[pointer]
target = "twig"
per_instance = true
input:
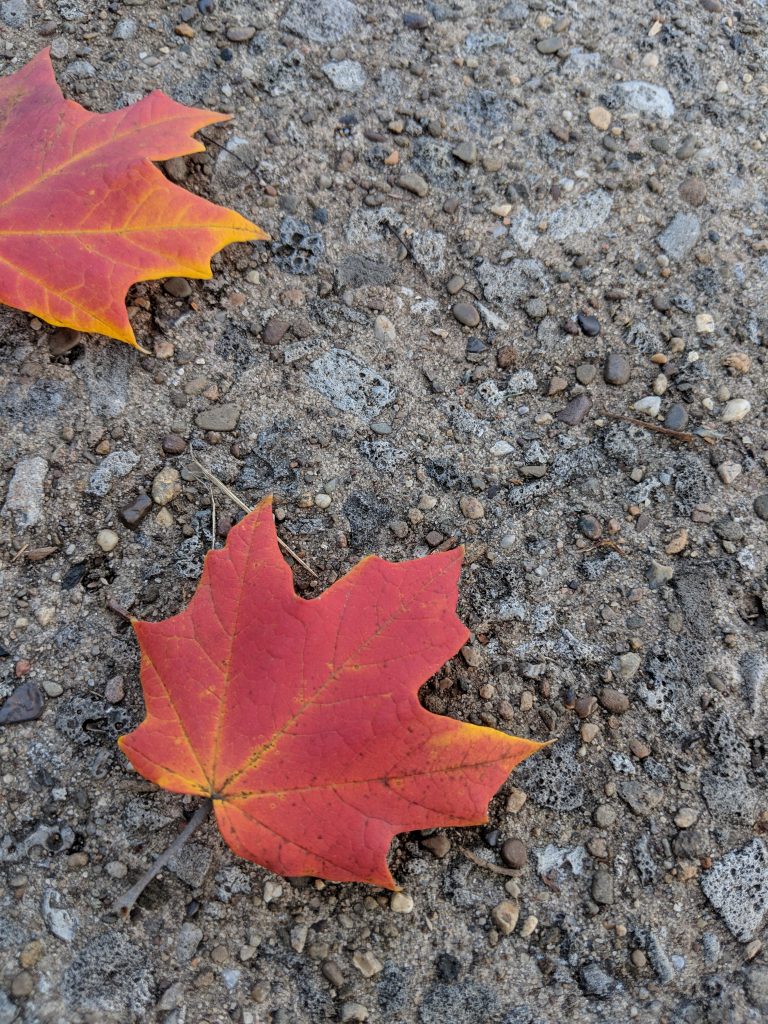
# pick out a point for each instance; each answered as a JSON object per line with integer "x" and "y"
{"x": 213, "y": 518}
{"x": 241, "y": 504}
{"x": 487, "y": 865}
{"x": 19, "y": 553}
{"x": 678, "y": 435}
{"x": 125, "y": 904}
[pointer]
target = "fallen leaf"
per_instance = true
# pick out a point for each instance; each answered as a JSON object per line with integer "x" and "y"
{"x": 301, "y": 719}
{"x": 84, "y": 214}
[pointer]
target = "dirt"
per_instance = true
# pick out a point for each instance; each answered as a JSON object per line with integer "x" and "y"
{"x": 473, "y": 205}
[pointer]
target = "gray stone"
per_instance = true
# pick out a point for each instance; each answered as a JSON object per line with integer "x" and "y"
{"x": 345, "y": 75}
{"x": 14, "y": 13}
{"x": 466, "y": 152}
{"x": 413, "y": 183}
{"x": 322, "y": 21}
{"x": 221, "y": 418}
{"x": 24, "y": 500}
{"x": 680, "y": 235}
{"x": 677, "y": 417}
{"x": 617, "y": 369}
{"x": 125, "y": 29}
{"x": 737, "y": 887}
{"x": 349, "y": 384}
{"x": 581, "y": 216}
{"x": 115, "y": 466}
{"x": 60, "y": 921}
{"x": 646, "y": 98}
{"x": 514, "y": 13}
{"x": 466, "y": 314}
{"x": 187, "y": 941}
{"x": 760, "y": 506}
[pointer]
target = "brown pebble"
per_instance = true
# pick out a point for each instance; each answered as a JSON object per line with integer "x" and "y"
{"x": 575, "y": 411}
{"x": 584, "y": 706}
{"x": 133, "y": 514}
{"x": 514, "y": 853}
{"x": 455, "y": 284}
{"x": 614, "y": 700}
{"x": 438, "y": 845}
{"x": 174, "y": 444}
{"x": 274, "y": 331}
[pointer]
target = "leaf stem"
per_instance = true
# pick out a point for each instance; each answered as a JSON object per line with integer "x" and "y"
{"x": 125, "y": 903}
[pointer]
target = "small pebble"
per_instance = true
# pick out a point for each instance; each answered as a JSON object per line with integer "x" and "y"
{"x": 413, "y": 183}
{"x": 107, "y": 540}
{"x": 676, "y": 418}
{"x": 589, "y": 324}
{"x": 401, "y": 903}
{"x": 133, "y": 514}
{"x": 760, "y": 506}
{"x": 600, "y": 118}
{"x": 735, "y": 410}
{"x": 516, "y": 800}
{"x": 686, "y": 816}
{"x": 617, "y": 369}
{"x": 274, "y": 331}
{"x": 466, "y": 314}
{"x": 650, "y": 405}
{"x": 174, "y": 444}
{"x": 514, "y": 853}
{"x": 505, "y": 915}
{"x": 575, "y": 411}
{"x": 613, "y": 700}
{"x": 166, "y": 486}
{"x": 471, "y": 507}
{"x": 466, "y": 152}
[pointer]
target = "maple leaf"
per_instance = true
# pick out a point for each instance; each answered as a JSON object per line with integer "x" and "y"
{"x": 84, "y": 214}
{"x": 301, "y": 719}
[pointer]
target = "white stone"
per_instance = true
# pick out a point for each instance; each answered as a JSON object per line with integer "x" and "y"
{"x": 107, "y": 540}
{"x": 650, "y": 405}
{"x": 345, "y": 75}
{"x": 384, "y": 329}
{"x": 401, "y": 903}
{"x": 736, "y": 410}
{"x": 646, "y": 98}
{"x": 705, "y": 324}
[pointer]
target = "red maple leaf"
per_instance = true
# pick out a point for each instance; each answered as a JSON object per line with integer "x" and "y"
{"x": 84, "y": 214}
{"x": 301, "y": 718}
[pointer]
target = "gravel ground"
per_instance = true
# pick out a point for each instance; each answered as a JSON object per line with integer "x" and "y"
{"x": 512, "y": 247}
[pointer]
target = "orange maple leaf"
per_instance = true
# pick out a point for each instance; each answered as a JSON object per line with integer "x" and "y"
{"x": 84, "y": 214}
{"x": 301, "y": 719}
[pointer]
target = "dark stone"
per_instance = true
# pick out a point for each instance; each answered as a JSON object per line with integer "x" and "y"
{"x": 575, "y": 411}
{"x": 74, "y": 575}
{"x": 589, "y": 325}
{"x": 25, "y": 704}
{"x": 133, "y": 514}
{"x": 760, "y": 505}
{"x": 676, "y": 418}
{"x": 514, "y": 854}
